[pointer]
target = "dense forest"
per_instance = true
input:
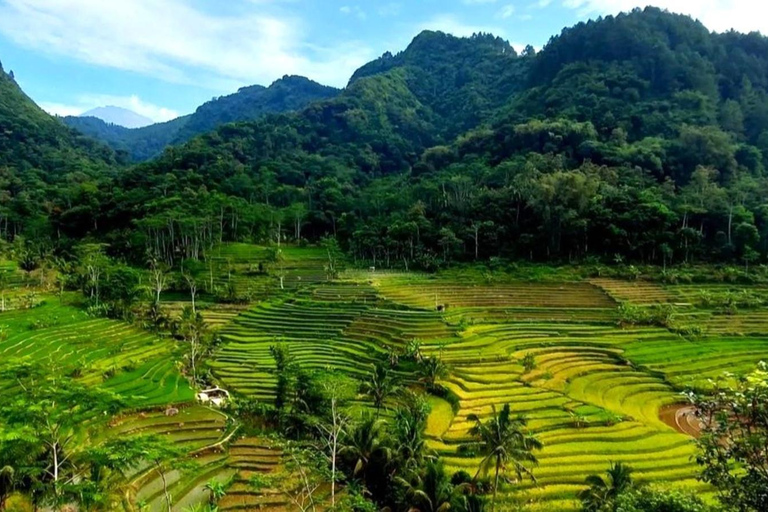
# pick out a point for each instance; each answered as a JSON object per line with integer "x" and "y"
{"x": 641, "y": 138}
{"x": 249, "y": 103}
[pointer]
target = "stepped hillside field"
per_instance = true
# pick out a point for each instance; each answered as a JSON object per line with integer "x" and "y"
{"x": 594, "y": 387}
{"x": 600, "y": 391}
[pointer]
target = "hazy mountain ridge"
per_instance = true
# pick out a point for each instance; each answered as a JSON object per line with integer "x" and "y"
{"x": 119, "y": 116}
{"x": 248, "y": 104}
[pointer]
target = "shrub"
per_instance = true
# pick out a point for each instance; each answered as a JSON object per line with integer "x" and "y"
{"x": 650, "y": 499}
{"x": 529, "y": 362}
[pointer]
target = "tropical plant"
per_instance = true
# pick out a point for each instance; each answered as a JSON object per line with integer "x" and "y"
{"x": 504, "y": 442}
{"x": 602, "y": 493}
{"x": 379, "y": 386}
{"x": 429, "y": 490}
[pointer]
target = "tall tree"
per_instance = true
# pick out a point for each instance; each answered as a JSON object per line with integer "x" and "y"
{"x": 504, "y": 441}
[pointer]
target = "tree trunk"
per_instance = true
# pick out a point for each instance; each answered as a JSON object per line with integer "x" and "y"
{"x": 168, "y": 501}
{"x": 495, "y": 489}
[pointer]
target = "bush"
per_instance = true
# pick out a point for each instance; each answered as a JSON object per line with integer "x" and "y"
{"x": 650, "y": 499}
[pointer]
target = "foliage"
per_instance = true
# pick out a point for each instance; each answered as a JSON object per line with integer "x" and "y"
{"x": 504, "y": 443}
{"x": 603, "y": 492}
{"x": 647, "y": 499}
{"x": 733, "y": 440}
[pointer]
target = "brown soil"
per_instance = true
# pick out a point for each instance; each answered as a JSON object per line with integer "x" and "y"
{"x": 681, "y": 417}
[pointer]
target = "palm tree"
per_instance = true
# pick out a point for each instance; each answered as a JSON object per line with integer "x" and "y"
{"x": 364, "y": 442}
{"x": 504, "y": 441}
{"x": 430, "y": 491}
{"x": 380, "y": 386}
{"x": 408, "y": 435}
{"x": 431, "y": 369}
{"x": 602, "y": 492}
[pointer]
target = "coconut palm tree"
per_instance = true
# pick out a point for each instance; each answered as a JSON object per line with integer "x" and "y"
{"x": 602, "y": 492}
{"x": 379, "y": 386}
{"x": 430, "y": 491}
{"x": 431, "y": 369}
{"x": 363, "y": 442}
{"x": 504, "y": 443}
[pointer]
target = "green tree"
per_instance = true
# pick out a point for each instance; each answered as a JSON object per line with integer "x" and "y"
{"x": 51, "y": 415}
{"x": 647, "y": 499}
{"x": 365, "y": 441}
{"x": 379, "y": 386}
{"x": 503, "y": 442}
{"x": 602, "y": 493}
{"x": 731, "y": 448}
{"x": 431, "y": 369}
{"x": 431, "y": 490}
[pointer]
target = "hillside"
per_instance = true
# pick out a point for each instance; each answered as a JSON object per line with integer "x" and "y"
{"x": 568, "y": 154}
{"x": 42, "y": 162}
{"x": 248, "y": 104}
{"x": 642, "y": 137}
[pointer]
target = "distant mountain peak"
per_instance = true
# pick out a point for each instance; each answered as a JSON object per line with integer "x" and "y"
{"x": 119, "y": 116}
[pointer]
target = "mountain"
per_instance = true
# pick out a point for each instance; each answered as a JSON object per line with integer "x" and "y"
{"x": 137, "y": 144}
{"x": 643, "y": 135}
{"x": 640, "y": 137}
{"x": 44, "y": 164}
{"x": 119, "y": 116}
{"x": 249, "y": 103}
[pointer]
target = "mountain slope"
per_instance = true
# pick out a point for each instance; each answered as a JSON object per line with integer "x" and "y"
{"x": 248, "y": 104}
{"x": 31, "y": 141}
{"x": 604, "y": 143}
{"x": 462, "y": 80}
{"x": 119, "y": 116}
{"x": 46, "y": 169}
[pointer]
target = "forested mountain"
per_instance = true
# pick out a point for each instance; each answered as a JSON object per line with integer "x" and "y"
{"x": 640, "y": 137}
{"x": 248, "y": 104}
{"x": 43, "y": 165}
{"x": 136, "y": 144}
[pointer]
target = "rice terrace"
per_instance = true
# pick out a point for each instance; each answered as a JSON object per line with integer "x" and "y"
{"x": 596, "y": 366}
{"x": 459, "y": 275}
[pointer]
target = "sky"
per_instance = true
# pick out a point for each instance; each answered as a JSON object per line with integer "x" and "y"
{"x": 164, "y": 58}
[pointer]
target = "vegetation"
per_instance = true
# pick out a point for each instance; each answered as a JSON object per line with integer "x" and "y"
{"x": 468, "y": 281}
{"x": 734, "y": 434}
{"x": 248, "y": 104}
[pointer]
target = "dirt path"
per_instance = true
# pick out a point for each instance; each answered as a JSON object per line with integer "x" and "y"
{"x": 681, "y": 417}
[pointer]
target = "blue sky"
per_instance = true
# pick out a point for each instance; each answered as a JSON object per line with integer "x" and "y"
{"x": 163, "y": 58}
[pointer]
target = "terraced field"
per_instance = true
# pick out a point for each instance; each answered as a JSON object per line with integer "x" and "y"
{"x": 582, "y": 400}
{"x": 637, "y": 292}
{"x": 595, "y": 396}
{"x": 340, "y": 328}
{"x": 247, "y": 268}
{"x": 597, "y": 393}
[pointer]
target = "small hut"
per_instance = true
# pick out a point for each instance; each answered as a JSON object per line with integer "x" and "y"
{"x": 215, "y": 396}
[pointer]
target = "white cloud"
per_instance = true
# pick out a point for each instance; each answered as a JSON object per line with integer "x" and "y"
{"x": 478, "y": 2}
{"x": 356, "y": 10}
{"x": 90, "y": 101}
{"x": 177, "y": 42}
{"x": 717, "y": 15}
{"x": 452, "y": 25}
{"x": 59, "y": 109}
{"x": 507, "y": 12}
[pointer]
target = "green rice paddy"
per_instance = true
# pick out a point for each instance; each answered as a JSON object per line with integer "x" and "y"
{"x": 594, "y": 396}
